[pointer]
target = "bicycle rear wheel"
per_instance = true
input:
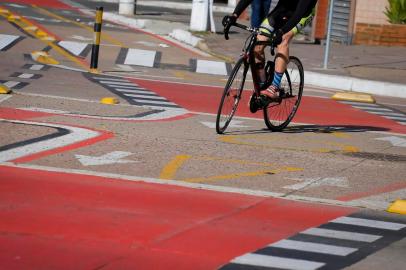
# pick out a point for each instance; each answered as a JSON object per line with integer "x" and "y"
{"x": 278, "y": 115}
{"x": 231, "y": 95}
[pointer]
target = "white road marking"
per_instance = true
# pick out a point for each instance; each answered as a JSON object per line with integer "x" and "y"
{"x": 35, "y": 109}
{"x": 117, "y": 83}
{"x": 26, "y": 76}
{"x": 158, "y": 102}
{"x": 314, "y": 247}
{"x": 211, "y": 67}
{"x": 233, "y": 124}
{"x": 76, "y": 135}
{"x": 107, "y": 159}
{"x": 369, "y": 223}
{"x": 74, "y": 47}
{"x": 134, "y": 90}
{"x": 276, "y": 262}
{"x": 4, "y": 97}
{"x": 107, "y": 80}
{"x": 81, "y": 38}
{"x": 389, "y": 113}
{"x": 372, "y": 109}
{"x": 145, "y": 96}
{"x": 318, "y": 181}
{"x": 359, "y": 104}
{"x": 395, "y": 141}
{"x": 360, "y": 237}
{"x": 37, "y": 67}
{"x": 395, "y": 117}
{"x": 140, "y": 57}
{"x": 6, "y": 40}
{"x": 165, "y": 114}
{"x": 11, "y": 84}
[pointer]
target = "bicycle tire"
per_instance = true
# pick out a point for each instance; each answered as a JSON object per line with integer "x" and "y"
{"x": 228, "y": 104}
{"x": 278, "y": 115}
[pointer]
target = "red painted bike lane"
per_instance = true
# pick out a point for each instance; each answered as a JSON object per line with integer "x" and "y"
{"x": 57, "y": 220}
{"x": 312, "y": 110}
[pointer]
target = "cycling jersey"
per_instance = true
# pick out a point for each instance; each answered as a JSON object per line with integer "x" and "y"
{"x": 297, "y": 12}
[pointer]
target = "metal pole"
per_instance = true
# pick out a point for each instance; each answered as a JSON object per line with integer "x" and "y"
{"x": 96, "y": 43}
{"x": 330, "y": 20}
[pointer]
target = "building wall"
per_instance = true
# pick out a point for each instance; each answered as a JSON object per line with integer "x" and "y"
{"x": 371, "y": 11}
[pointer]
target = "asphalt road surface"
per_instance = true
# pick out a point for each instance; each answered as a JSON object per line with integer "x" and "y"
{"x": 148, "y": 184}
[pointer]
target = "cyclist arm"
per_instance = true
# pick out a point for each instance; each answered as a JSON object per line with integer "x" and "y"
{"x": 241, "y": 6}
{"x": 301, "y": 11}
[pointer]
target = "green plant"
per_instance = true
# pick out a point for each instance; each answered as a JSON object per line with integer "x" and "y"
{"x": 396, "y": 12}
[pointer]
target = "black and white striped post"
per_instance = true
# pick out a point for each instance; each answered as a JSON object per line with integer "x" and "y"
{"x": 96, "y": 43}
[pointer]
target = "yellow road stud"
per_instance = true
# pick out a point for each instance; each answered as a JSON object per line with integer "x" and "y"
{"x": 4, "y": 89}
{"x": 398, "y": 207}
{"x": 351, "y": 96}
{"x": 109, "y": 100}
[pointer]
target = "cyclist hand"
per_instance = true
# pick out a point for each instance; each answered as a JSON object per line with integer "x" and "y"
{"x": 277, "y": 37}
{"x": 228, "y": 20}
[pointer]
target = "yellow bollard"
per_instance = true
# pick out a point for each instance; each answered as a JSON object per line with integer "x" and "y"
{"x": 96, "y": 44}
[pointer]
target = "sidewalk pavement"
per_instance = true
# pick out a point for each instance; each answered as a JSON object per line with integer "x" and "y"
{"x": 376, "y": 70}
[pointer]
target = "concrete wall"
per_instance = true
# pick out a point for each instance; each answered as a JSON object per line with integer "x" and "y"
{"x": 371, "y": 11}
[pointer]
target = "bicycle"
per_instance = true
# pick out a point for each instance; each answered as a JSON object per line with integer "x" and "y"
{"x": 277, "y": 112}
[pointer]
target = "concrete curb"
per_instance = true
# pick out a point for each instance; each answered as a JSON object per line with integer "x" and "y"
{"x": 355, "y": 85}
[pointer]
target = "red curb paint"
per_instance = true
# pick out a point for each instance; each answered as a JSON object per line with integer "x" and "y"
{"x": 373, "y": 191}
{"x": 54, "y": 220}
{"x": 312, "y": 110}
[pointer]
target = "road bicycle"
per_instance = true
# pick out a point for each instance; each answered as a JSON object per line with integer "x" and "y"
{"x": 277, "y": 112}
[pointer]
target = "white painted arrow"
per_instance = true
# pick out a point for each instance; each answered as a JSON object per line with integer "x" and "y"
{"x": 110, "y": 158}
{"x": 318, "y": 181}
{"x": 395, "y": 141}
{"x": 233, "y": 124}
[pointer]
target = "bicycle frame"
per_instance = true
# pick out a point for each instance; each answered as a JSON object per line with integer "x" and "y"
{"x": 249, "y": 53}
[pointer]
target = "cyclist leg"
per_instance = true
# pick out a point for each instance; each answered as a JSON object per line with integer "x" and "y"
{"x": 275, "y": 20}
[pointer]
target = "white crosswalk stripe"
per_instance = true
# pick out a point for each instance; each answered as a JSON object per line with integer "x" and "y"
{"x": 361, "y": 237}
{"x": 369, "y": 223}
{"x": 276, "y": 262}
{"x": 314, "y": 247}
{"x": 75, "y": 48}
{"x": 379, "y": 110}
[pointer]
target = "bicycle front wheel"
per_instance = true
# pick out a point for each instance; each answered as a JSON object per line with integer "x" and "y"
{"x": 231, "y": 95}
{"x": 278, "y": 115}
